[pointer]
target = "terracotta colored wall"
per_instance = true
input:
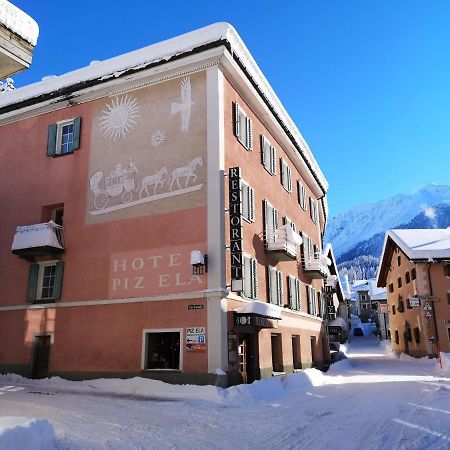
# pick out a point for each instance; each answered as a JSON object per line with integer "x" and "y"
{"x": 266, "y": 187}
{"x": 99, "y": 338}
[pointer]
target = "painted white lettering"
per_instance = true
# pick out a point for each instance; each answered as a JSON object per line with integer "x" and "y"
{"x": 235, "y": 221}
{"x": 164, "y": 280}
{"x": 174, "y": 259}
{"x": 115, "y": 284}
{"x": 178, "y": 281}
{"x": 137, "y": 263}
{"x": 154, "y": 260}
{"x": 138, "y": 283}
{"x": 195, "y": 278}
{"x": 125, "y": 284}
{"x": 122, "y": 266}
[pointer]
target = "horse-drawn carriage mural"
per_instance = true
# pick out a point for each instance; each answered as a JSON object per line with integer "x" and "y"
{"x": 121, "y": 183}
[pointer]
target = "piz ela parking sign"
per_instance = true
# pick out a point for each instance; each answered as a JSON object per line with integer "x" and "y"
{"x": 196, "y": 339}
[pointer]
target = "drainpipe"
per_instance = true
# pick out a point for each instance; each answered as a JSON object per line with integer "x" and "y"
{"x": 432, "y": 306}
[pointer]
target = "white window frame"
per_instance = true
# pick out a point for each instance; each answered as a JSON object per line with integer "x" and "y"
{"x": 312, "y": 301}
{"x": 275, "y": 286}
{"x": 144, "y": 353}
{"x": 268, "y": 156}
{"x": 250, "y": 275}
{"x": 294, "y": 287}
{"x": 286, "y": 176}
{"x": 244, "y": 136}
{"x": 59, "y": 128}
{"x": 271, "y": 219}
{"x": 40, "y": 280}
{"x": 248, "y": 202}
{"x": 313, "y": 210}
{"x": 290, "y": 223}
{"x": 301, "y": 194}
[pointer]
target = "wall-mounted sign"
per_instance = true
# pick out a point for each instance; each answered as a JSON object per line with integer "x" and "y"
{"x": 384, "y": 309}
{"x": 427, "y": 306}
{"x": 196, "y": 339}
{"x": 195, "y": 306}
{"x": 255, "y": 321}
{"x": 413, "y": 302}
{"x": 235, "y": 210}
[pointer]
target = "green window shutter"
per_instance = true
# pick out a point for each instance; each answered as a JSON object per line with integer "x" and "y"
{"x": 51, "y": 142}
{"x": 251, "y": 192}
{"x": 76, "y": 133}
{"x": 249, "y": 134}
{"x": 291, "y": 292}
{"x": 254, "y": 270}
{"x": 32, "y": 282}
{"x": 280, "y": 288}
{"x": 59, "y": 273}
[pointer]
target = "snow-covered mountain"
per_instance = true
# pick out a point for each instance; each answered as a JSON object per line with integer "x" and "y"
{"x": 360, "y": 223}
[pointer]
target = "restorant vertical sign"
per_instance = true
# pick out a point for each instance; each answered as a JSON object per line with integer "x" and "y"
{"x": 235, "y": 210}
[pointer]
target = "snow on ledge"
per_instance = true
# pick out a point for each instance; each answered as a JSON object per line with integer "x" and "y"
{"x": 263, "y": 309}
{"x": 18, "y": 22}
{"x": 19, "y": 433}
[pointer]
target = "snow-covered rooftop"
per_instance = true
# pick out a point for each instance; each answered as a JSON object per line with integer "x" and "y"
{"x": 260, "y": 308}
{"x": 423, "y": 244}
{"x": 159, "y": 53}
{"x": 375, "y": 292}
{"x": 18, "y": 22}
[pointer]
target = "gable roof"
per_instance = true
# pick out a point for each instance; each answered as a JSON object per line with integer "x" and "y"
{"x": 418, "y": 245}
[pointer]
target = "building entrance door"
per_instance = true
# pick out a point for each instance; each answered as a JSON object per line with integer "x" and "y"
{"x": 41, "y": 356}
{"x": 247, "y": 357}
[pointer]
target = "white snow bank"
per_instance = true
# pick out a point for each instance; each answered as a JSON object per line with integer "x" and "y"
{"x": 18, "y": 22}
{"x": 445, "y": 360}
{"x": 20, "y": 433}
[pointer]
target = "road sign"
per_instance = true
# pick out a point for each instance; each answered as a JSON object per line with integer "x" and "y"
{"x": 427, "y": 306}
{"x": 196, "y": 339}
{"x": 428, "y": 315}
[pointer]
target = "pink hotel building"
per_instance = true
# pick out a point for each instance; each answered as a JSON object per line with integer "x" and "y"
{"x": 162, "y": 216}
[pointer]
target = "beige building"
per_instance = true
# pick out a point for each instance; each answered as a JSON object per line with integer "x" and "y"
{"x": 415, "y": 269}
{"x": 18, "y": 37}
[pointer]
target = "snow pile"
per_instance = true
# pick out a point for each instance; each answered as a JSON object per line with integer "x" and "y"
{"x": 445, "y": 360}
{"x": 18, "y": 22}
{"x": 263, "y": 309}
{"x": 19, "y": 433}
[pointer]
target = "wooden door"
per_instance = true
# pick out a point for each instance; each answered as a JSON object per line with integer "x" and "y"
{"x": 41, "y": 356}
{"x": 242, "y": 354}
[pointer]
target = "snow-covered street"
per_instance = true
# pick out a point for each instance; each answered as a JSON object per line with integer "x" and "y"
{"x": 372, "y": 400}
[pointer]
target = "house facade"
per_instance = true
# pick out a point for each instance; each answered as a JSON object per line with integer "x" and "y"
{"x": 165, "y": 221}
{"x": 415, "y": 269}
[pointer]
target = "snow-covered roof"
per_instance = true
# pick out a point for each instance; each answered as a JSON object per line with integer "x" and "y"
{"x": 345, "y": 285}
{"x": 18, "y": 22}
{"x": 339, "y": 322}
{"x": 260, "y": 308}
{"x": 417, "y": 244}
{"x": 369, "y": 286}
{"x": 159, "y": 53}
{"x": 328, "y": 253}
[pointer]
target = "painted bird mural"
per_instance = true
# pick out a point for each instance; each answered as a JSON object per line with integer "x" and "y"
{"x": 185, "y": 106}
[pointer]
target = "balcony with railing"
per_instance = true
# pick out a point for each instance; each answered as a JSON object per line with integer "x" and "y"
{"x": 283, "y": 243}
{"x": 42, "y": 239}
{"x": 315, "y": 266}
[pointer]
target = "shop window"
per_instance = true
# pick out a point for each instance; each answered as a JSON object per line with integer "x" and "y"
{"x": 268, "y": 156}
{"x": 243, "y": 127}
{"x": 277, "y": 353}
{"x": 296, "y": 352}
{"x": 64, "y": 137}
{"x": 162, "y": 350}
{"x": 45, "y": 281}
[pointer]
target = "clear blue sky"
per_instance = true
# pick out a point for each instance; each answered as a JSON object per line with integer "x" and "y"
{"x": 368, "y": 83}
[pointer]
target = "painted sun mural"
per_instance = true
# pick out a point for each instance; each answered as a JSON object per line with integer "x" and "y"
{"x": 119, "y": 117}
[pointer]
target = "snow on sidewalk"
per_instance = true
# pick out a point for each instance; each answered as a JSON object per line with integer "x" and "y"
{"x": 20, "y": 433}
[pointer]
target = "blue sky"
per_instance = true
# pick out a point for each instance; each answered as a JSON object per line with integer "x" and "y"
{"x": 368, "y": 83}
